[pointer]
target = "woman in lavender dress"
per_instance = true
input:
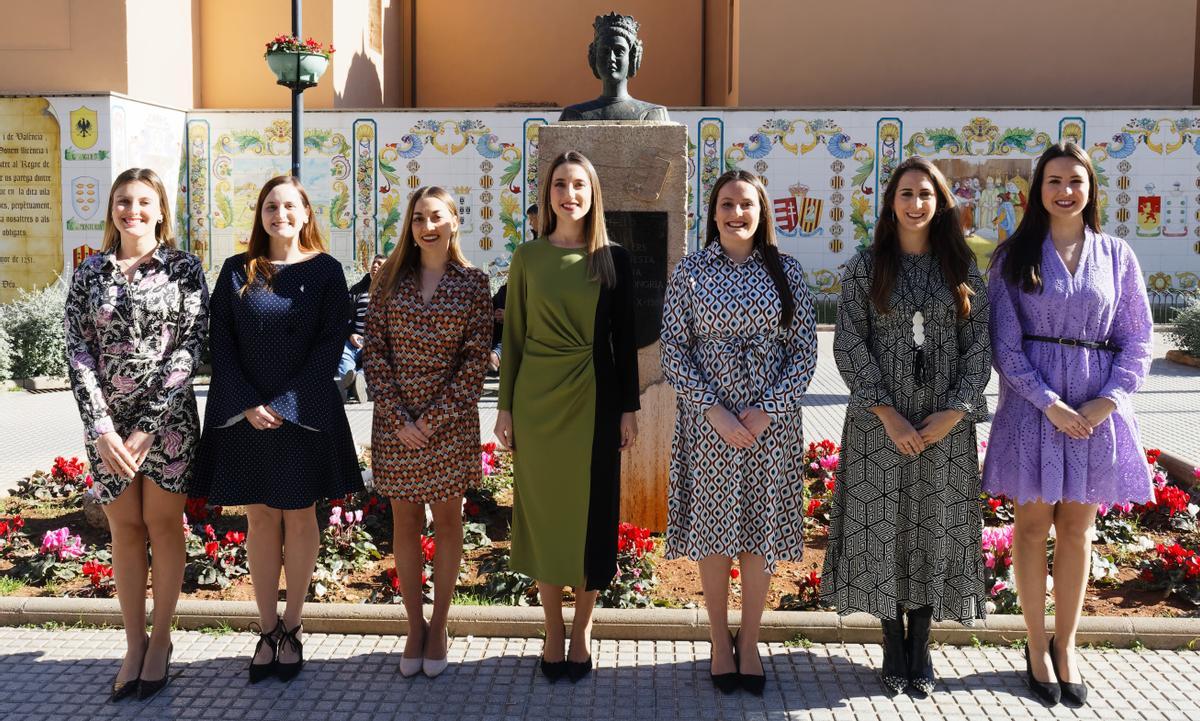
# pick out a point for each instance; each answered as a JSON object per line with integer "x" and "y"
{"x": 136, "y": 319}
{"x": 1071, "y": 338}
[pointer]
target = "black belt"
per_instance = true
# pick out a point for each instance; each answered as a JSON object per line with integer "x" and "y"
{"x": 1094, "y": 345}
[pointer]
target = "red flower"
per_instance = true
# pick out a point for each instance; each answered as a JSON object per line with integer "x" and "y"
{"x": 995, "y": 503}
{"x": 3, "y": 528}
{"x": 428, "y": 548}
{"x": 734, "y": 573}
{"x": 66, "y": 470}
{"x": 209, "y": 532}
{"x": 18, "y": 522}
{"x": 814, "y": 505}
{"x": 1152, "y": 455}
{"x": 830, "y": 483}
{"x": 336, "y": 502}
{"x": 97, "y": 572}
{"x": 196, "y": 508}
{"x": 211, "y": 549}
{"x": 811, "y": 581}
{"x": 489, "y": 447}
{"x": 233, "y": 538}
{"x": 393, "y": 580}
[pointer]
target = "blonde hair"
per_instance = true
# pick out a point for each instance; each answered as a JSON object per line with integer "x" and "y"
{"x": 405, "y": 259}
{"x": 162, "y": 230}
{"x": 595, "y": 232}
{"x": 258, "y": 248}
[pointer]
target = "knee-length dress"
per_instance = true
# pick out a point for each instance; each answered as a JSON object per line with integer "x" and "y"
{"x": 722, "y": 344}
{"x": 907, "y": 530}
{"x": 1028, "y": 459}
{"x": 568, "y": 372}
{"x": 132, "y": 349}
{"x": 427, "y": 360}
{"x": 277, "y": 346}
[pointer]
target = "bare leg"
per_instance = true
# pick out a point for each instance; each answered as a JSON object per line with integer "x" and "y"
{"x": 301, "y": 544}
{"x": 161, "y": 511}
{"x": 129, "y": 572}
{"x": 1030, "y": 531}
{"x": 264, "y": 553}
{"x": 1072, "y": 561}
{"x": 408, "y": 520}
{"x": 756, "y": 583}
{"x": 581, "y": 626}
{"x": 714, "y": 582}
{"x": 556, "y": 636}
{"x": 447, "y": 562}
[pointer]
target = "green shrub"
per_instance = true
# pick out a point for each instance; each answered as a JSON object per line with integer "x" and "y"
{"x": 36, "y": 337}
{"x": 1186, "y": 331}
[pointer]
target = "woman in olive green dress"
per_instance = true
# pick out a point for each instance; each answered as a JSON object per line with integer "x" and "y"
{"x": 568, "y": 393}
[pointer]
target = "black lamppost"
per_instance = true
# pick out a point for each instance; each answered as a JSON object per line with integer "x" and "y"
{"x": 298, "y": 65}
{"x": 298, "y": 89}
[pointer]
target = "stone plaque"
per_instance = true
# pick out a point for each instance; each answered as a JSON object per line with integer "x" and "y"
{"x": 644, "y": 235}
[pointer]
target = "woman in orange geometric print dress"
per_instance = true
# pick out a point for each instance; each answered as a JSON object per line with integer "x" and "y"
{"x": 429, "y": 330}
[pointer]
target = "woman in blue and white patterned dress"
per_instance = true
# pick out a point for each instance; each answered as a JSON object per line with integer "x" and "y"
{"x": 739, "y": 346}
{"x": 136, "y": 321}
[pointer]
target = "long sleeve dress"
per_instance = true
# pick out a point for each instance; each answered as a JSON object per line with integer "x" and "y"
{"x": 132, "y": 349}
{"x": 1028, "y": 459}
{"x": 907, "y": 530}
{"x": 427, "y": 360}
{"x": 277, "y": 346}
{"x": 568, "y": 372}
{"x": 722, "y": 343}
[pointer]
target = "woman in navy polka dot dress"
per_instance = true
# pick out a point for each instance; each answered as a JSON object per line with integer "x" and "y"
{"x": 276, "y": 438}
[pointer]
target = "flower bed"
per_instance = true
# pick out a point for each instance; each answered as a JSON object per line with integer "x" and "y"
{"x": 1146, "y": 559}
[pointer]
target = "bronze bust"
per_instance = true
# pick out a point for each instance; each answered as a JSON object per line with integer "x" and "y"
{"x": 615, "y": 55}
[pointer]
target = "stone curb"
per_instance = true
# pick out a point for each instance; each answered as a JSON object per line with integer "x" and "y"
{"x": 633, "y": 624}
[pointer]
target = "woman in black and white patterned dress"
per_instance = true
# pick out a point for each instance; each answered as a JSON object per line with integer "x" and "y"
{"x": 912, "y": 345}
{"x": 739, "y": 346}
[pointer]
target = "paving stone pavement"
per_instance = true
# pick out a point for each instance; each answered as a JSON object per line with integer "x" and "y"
{"x": 36, "y": 427}
{"x": 63, "y": 674}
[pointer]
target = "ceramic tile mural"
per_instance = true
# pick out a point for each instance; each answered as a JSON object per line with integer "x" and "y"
{"x": 823, "y": 169}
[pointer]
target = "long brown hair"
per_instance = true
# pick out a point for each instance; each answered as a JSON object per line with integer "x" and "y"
{"x": 946, "y": 240}
{"x": 764, "y": 238}
{"x": 162, "y": 231}
{"x": 405, "y": 259}
{"x": 595, "y": 232}
{"x": 1021, "y": 253}
{"x": 258, "y": 250}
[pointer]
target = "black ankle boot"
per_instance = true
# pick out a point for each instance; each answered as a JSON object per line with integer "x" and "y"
{"x": 920, "y": 661}
{"x": 894, "y": 673}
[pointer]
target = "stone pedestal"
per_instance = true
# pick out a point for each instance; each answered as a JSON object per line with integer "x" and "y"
{"x": 643, "y": 177}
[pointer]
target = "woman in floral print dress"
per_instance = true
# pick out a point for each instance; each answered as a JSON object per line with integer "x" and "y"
{"x": 428, "y": 333}
{"x": 136, "y": 320}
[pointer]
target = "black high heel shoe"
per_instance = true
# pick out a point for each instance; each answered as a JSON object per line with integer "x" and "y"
{"x": 146, "y": 689}
{"x": 260, "y": 671}
{"x": 553, "y": 670}
{"x": 1047, "y": 692}
{"x": 727, "y": 683}
{"x": 894, "y": 672}
{"x": 752, "y": 683}
{"x": 289, "y": 671}
{"x": 1073, "y": 695}
{"x": 125, "y": 689}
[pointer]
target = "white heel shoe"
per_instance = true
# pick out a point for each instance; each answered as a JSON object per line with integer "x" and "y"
{"x": 410, "y": 667}
{"x": 434, "y": 666}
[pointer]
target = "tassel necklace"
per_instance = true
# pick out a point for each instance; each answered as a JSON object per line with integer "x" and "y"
{"x": 920, "y": 371}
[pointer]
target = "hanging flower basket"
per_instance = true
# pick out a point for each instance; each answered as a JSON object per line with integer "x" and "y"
{"x": 296, "y": 64}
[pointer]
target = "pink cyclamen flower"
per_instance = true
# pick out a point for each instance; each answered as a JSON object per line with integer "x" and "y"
{"x": 1000, "y": 586}
{"x": 829, "y": 463}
